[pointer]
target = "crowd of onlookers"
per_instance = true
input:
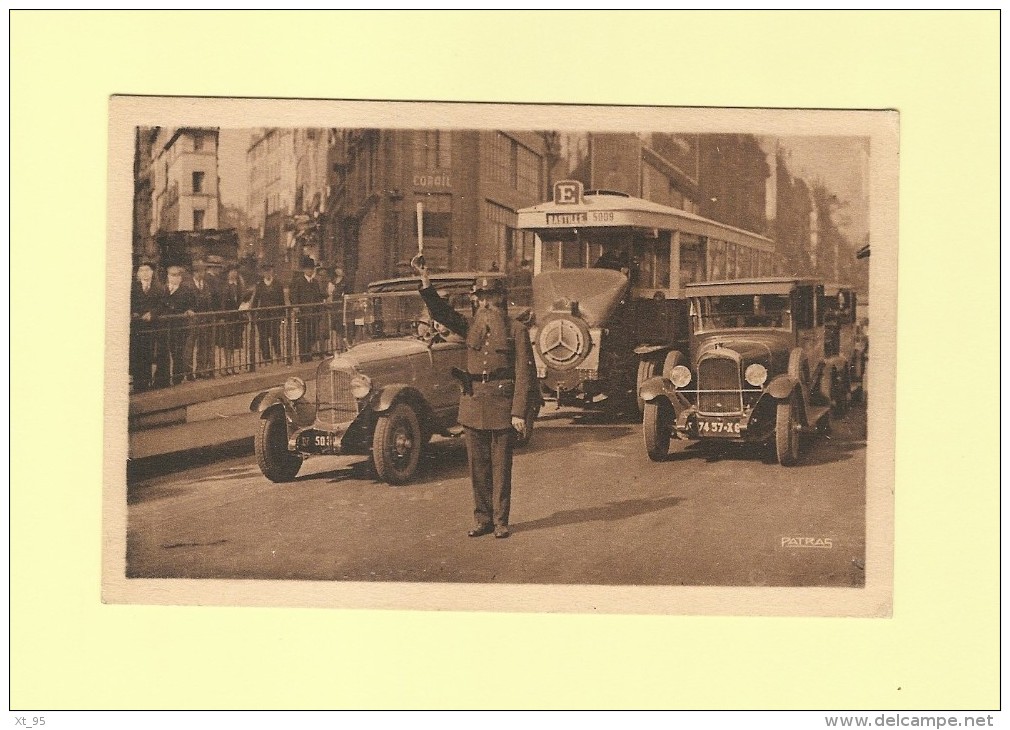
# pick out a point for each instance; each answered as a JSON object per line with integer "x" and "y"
{"x": 173, "y": 336}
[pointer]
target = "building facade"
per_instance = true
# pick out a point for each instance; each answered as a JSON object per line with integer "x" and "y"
{"x": 720, "y": 176}
{"x": 184, "y": 179}
{"x": 289, "y": 184}
{"x": 144, "y": 247}
{"x": 468, "y": 184}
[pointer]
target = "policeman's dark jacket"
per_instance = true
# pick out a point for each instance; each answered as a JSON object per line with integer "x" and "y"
{"x": 499, "y": 361}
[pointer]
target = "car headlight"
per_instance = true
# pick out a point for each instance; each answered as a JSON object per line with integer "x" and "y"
{"x": 294, "y": 388}
{"x": 756, "y": 374}
{"x": 680, "y": 375}
{"x": 361, "y": 386}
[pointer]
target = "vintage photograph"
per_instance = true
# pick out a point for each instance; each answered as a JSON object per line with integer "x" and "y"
{"x": 500, "y": 357}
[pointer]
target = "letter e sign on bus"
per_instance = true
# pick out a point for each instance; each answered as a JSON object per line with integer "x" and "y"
{"x": 568, "y": 192}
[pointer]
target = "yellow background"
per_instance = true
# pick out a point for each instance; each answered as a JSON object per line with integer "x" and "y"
{"x": 940, "y": 651}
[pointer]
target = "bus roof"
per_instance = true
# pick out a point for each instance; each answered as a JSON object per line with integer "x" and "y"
{"x": 747, "y": 287}
{"x": 609, "y": 210}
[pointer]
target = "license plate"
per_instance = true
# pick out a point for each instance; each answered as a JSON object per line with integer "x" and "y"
{"x": 314, "y": 441}
{"x": 718, "y": 427}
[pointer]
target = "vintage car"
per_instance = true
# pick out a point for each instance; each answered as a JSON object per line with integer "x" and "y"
{"x": 385, "y": 396}
{"x": 757, "y": 370}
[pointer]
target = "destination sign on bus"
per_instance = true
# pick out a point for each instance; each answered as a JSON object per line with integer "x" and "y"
{"x": 571, "y": 219}
{"x": 567, "y": 219}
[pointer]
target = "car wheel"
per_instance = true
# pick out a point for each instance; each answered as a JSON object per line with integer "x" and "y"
{"x": 787, "y": 431}
{"x": 271, "y": 444}
{"x": 657, "y": 424}
{"x": 532, "y": 411}
{"x": 397, "y": 444}
{"x": 646, "y": 370}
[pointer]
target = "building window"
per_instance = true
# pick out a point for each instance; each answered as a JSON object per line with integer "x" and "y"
{"x": 198, "y": 182}
{"x": 515, "y": 166}
{"x": 510, "y": 246}
{"x": 528, "y": 173}
{"x": 432, "y": 149}
{"x": 437, "y": 217}
{"x": 198, "y": 220}
{"x": 197, "y": 141}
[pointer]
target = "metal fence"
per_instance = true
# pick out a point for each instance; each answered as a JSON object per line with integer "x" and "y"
{"x": 173, "y": 349}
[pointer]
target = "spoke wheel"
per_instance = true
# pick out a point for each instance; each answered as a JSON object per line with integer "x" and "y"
{"x": 787, "y": 431}
{"x": 271, "y": 445}
{"x": 657, "y": 424}
{"x": 397, "y": 445}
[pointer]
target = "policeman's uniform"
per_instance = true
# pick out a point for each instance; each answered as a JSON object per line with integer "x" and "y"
{"x": 497, "y": 385}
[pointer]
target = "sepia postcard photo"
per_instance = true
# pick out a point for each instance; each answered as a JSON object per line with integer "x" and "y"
{"x": 493, "y": 357}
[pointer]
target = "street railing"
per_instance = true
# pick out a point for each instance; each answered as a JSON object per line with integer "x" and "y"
{"x": 172, "y": 349}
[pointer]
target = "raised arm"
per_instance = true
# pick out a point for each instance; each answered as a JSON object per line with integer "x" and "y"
{"x": 438, "y": 307}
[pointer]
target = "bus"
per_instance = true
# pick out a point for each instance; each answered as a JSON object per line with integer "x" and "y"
{"x": 609, "y": 270}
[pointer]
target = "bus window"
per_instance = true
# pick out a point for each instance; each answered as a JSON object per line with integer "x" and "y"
{"x": 550, "y": 256}
{"x": 663, "y": 262}
{"x": 692, "y": 258}
{"x": 571, "y": 254}
{"x": 643, "y": 263}
{"x": 745, "y": 264}
{"x": 717, "y": 251}
{"x": 731, "y": 263}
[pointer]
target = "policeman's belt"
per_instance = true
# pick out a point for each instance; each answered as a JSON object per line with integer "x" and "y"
{"x": 468, "y": 379}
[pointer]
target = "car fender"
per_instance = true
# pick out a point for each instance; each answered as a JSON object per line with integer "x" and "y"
{"x": 654, "y": 387}
{"x": 660, "y": 387}
{"x": 392, "y": 394}
{"x": 782, "y": 386}
{"x": 299, "y": 413}
{"x": 268, "y": 398}
{"x": 673, "y": 359}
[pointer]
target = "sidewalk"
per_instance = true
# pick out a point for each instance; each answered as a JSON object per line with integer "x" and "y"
{"x": 203, "y": 413}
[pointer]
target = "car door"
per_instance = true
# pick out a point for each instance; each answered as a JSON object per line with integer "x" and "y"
{"x": 443, "y": 389}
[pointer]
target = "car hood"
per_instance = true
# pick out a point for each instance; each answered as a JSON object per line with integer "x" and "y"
{"x": 378, "y": 350}
{"x": 752, "y": 347}
{"x": 597, "y": 292}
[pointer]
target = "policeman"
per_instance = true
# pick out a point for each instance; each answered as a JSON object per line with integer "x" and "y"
{"x": 497, "y": 385}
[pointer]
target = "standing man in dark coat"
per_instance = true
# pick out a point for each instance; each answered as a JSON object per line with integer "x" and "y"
{"x": 145, "y": 300}
{"x": 202, "y": 336}
{"x": 497, "y": 387}
{"x": 178, "y": 299}
{"x": 269, "y": 292}
{"x": 231, "y": 325}
{"x": 305, "y": 289}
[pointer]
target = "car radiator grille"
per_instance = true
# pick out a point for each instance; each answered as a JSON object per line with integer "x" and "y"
{"x": 723, "y": 375}
{"x": 334, "y": 401}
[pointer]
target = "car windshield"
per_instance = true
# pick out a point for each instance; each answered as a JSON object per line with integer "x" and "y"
{"x": 742, "y": 312}
{"x": 385, "y": 315}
